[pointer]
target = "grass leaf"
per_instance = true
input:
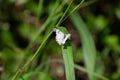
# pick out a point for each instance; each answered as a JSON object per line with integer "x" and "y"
{"x": 87, "y": 43}
{"x": 68, "y": 58}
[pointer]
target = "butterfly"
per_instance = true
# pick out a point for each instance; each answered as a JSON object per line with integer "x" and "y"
{"x": 61, "y": 37}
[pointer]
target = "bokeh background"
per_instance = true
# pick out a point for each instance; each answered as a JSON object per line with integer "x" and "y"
{"x": 21, "y": 20}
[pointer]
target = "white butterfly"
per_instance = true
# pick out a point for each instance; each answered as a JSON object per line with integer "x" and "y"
{"x": 61, "y": 37}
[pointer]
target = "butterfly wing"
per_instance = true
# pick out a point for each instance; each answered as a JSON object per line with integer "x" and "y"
{"x": 61, "y": 37}
{"x": 66, "y": 36}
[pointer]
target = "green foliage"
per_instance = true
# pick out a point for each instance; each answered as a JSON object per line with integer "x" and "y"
{"x": 112, "y": 42}
{"x": 89, "y": 50}
{"x": 28, "y": 49}
{"x": 68, "y": 57}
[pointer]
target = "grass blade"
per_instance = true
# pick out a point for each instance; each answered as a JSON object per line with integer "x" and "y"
{"x": 68, "y": 61}
{"x": 68, "y": 58}
{"x": 39, "y": 11}
{"x": 87, "y": 43}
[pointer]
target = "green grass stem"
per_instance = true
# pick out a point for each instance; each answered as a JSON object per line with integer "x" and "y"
{"x": 20, "y": 71}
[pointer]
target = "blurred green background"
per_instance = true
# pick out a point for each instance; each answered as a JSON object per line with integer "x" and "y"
{"x": 21, "y": 20}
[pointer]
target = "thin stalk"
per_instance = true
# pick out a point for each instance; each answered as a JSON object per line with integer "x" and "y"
{"x": 77, "y": 7}
{"x": 64, "y": 14}
{"x": 42, "y": 27}
{"x": 83, "y": 70}
{"x": 20, "y": 71}
{"x": 92, "y": 73}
